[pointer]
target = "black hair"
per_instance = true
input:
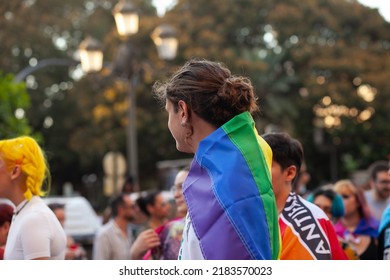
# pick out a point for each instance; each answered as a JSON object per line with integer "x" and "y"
{"x": 329, "y": 193}
{"x": 286, "y": 150}
{"x": 148, "y": 199}
{"x": 115, "y": 203}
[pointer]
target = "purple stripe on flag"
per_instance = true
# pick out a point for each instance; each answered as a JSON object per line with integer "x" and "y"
{"x": 216, "y": 230}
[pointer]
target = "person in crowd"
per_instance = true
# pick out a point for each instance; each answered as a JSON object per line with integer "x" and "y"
{"x": 155, "y": 206}
{"x": 332, "y": 204}
{"x": 115, "y": 240}
{"x": 329, "y": 201}
{"x": 306, "y": 231}
{"x": 357, "y": 227}
{"x": 140, "y": 221}
{"x": 384, "y": 235}
{"x": 177, "y": 190}
{"x": 231, "y": 205}
{"x": 171, "y": 233}
{"x": 35, "y": 231}
{"x": 128, "y": 188}
{"x": 74, "y": 251}
{"x": 6, "y": 213}
{"x": 378, "y": 197}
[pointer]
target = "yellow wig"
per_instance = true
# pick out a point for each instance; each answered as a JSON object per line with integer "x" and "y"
{"x": 25, "y": 152}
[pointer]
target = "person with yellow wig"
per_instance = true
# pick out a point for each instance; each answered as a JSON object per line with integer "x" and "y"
{"x": 35, "y": 232}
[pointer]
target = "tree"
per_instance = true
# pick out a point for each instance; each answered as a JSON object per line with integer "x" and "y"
{"x": 14, "y": 100}
{"x": 319, "y": 70}
{"x": 64, "y": 108}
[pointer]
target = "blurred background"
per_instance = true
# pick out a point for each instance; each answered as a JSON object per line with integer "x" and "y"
{"x": 320, "y": 68}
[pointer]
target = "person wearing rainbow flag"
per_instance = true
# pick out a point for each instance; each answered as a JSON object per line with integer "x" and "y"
{"x": 232, "y": 211}
{"x": 307, "y": 232}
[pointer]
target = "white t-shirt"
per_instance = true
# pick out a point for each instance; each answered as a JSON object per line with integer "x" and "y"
{"x": 190, "y": 246}
{"x": 35, "y": 232}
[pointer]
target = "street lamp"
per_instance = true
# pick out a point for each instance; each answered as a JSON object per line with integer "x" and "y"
{"x": 91, "y": 55}
{"x": 126, "y": 18}
{"x": 165, "y": 38}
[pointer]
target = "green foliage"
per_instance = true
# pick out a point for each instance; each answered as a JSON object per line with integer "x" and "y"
{"x": 13, "y": 96}
{"x": 297, "y": 52}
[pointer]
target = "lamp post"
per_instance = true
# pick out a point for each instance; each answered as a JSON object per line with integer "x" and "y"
{"x": 91, "y": 55}
{"x": 164, "y": 37}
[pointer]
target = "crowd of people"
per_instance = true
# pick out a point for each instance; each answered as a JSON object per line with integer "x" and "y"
{"x": 243, "y": 197}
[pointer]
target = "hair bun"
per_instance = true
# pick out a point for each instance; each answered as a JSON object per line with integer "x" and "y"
{"x": 238, "y": 91}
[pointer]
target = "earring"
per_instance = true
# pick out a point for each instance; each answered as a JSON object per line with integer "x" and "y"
{"x": 183, "y": 124}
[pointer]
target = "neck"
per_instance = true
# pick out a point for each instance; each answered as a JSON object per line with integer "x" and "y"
{"x": 122, "y": 224}
{"x": 281, "y": 198}
{"x": 201, "y": 129}
{"x": 155, "y": 222}
{"x": 17, "y": 198}
{"x": 17, "y": 190}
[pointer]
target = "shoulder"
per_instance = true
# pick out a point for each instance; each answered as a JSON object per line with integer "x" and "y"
{"x": 37, "y": 207}
{"x": 107, "y": 229}
{"x": 298, "y": 209}
{"x": 296, "y": 203}
{"x": 38, "y": 213}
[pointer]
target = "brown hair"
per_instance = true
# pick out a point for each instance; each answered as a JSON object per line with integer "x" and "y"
{"x": 210, "y": 90}
{"x": 377, "y": 167}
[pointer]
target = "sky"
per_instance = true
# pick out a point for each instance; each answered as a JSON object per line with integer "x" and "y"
{"x": 161, "y": 5}
{"x": 383, "y": 5}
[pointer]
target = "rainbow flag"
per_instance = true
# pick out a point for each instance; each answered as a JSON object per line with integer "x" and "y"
{"x": 229, "y": 194}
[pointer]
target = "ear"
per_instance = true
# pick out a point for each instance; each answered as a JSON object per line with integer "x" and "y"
{"x": 183, "y": 111}
{"x": 16, "y": 172}
{"x": 291, "y": 172}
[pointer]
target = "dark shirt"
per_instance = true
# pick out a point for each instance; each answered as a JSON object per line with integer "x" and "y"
{"x": 371, "y": 253}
